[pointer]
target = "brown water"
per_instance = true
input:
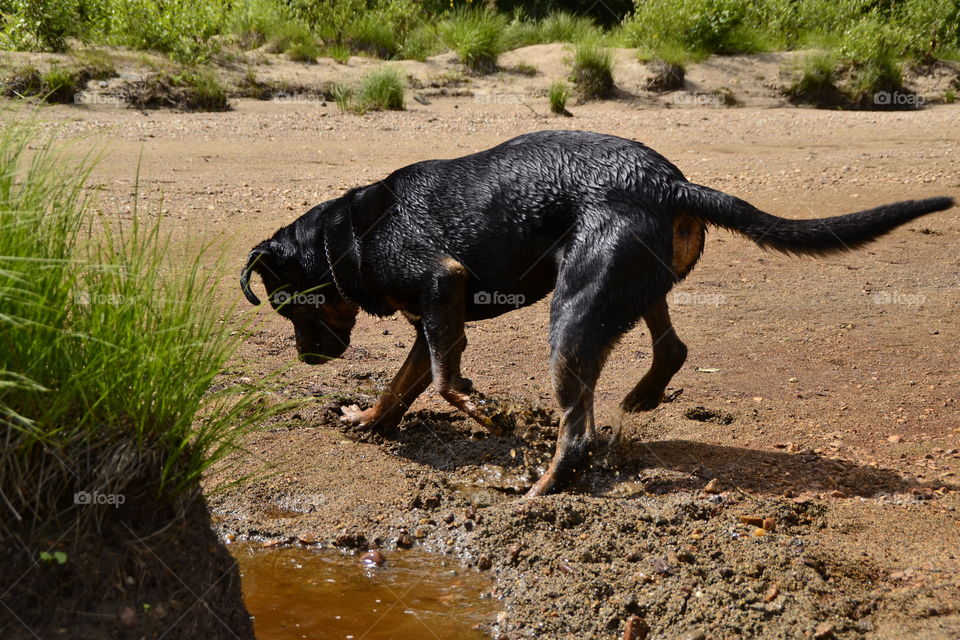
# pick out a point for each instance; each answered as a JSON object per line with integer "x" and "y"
{"x": 295, "y": 593}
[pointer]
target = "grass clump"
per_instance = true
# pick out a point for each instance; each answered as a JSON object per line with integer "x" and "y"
{"x": 477, "y": 37}
{"x": 94, "y": 337}
{"x": 592, "y": 71}
{"x": 558, "y": 94}
{"x": 382, "y": 89}
{"x": 303, "y": 52}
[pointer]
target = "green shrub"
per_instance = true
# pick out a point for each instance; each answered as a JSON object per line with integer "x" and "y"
{"x": 339, "y": 52}
{"x": 254, "y": 22}
{"x": 699, "y": 26}
{"x": 592, "y": 71}
{"x": 303, "y": 52}
{"x": 476, "y": 36}
{"x": 289, "y": 34}
{"x": 871, "y": 48}
{"x": 58, "y": 84}
{"x": 380, "y": 89}
{"x": 371, "y": 34}
{"x": 184, "y": 29}
{"x": 42, "y": 25}
{"x": 562, "y": 26}
{"x": 420, "y": 43}
{"x": 558, "y": 94}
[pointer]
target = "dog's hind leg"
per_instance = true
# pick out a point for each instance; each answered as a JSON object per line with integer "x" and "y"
{"x": 669, "y": 354}
{"x": 444, "y": 308}
{"x": 604, "y": 285}
{"x": 411, "y": 380}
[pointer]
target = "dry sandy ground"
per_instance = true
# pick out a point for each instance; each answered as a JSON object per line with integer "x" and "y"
{"x": 837, "y": 378}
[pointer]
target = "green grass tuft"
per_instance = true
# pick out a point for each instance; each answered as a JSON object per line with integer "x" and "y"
{"x": 381, "y": 89}
{"x": 97, "y": 330}
{"x": 558, "y": 94}
{"x": 592, "y": 71}
{"x": 476, "y": 36}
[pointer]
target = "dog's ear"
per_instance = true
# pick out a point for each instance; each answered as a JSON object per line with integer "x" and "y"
{"x": 254, "y": 260}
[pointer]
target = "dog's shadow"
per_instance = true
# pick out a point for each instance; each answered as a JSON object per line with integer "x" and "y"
{"x": 449, "y": 442}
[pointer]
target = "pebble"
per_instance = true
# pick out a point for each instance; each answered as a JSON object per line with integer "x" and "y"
{"x": 484, "y": 563}
{"x": 636, "y": 629}
{"x": 372, "y": 558}
{"x": 769, "y": 524}
{"x": 895, "y": 438}
{"x": 823, "y": 631}
{"x": 752, "y": 521}
{"x": 713, "y": 486}
{"x": 772, "y": 593}
{"x": 759, "y": 533}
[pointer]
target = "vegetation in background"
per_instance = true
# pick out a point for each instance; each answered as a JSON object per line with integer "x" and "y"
{"x": 58, "y": 84}
{"x": 381, "y": 89}
{"x": 592, "y": 71}
{"x": 868, "y": 40}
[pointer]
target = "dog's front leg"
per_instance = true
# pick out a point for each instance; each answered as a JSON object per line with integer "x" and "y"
{"x": 411, "y": 380}
{"x": 444, "y": 307}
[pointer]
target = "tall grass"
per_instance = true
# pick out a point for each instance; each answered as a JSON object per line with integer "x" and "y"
{"x": 109, "y": 346}
{"x": 477, "y": 36}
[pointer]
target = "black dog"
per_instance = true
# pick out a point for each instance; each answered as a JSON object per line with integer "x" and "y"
{"x": 608, "y": 224}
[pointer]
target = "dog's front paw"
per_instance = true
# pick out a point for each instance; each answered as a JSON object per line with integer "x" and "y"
{"x": 354, "y": 415}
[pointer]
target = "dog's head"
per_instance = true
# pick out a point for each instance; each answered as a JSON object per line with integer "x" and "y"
{"x": 300, "y": 288}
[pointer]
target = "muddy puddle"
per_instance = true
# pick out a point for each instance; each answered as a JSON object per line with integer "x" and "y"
{"x": 322, "y": 594}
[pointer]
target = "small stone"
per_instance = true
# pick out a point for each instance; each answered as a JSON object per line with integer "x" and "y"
{"x": 752, "y": 521}
{"x": 836, "y": 493}
{"x": 772, "y": 593}
{"x": 769, "y": 524}
{"x": 373, "y": 558}
{"x": 758, "y": 533}
{"x": 636, "y": 629}
{"x": 404, "y": 541}
{"x": 713, "y": 486}
{"x": 484, "y": 563}
{"x": 823, "y": 631}
{"x": 895, "y": 438}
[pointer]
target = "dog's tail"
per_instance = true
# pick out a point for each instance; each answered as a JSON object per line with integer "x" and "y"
{"x": 811, "y": 237}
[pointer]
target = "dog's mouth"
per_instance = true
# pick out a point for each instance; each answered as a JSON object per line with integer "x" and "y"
{"x": 315, "y": 352}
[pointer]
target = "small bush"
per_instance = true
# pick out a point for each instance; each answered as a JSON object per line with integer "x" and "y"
{"x": 870, "y": 48}
{"x": 816, "y": 83}
{"x": 339, "y": 52}
{"x": 562, "y": 26}
{"x": 381, "y": 89}
{"x": 559, "y": 93}
{"x": 254, "y": 22}
{"x": 290, "y": 34}
{"x": 592, "y": 71}
{"x": 698, "y": 26}
{"x": 188, "y": 90}
{"x": 372, "y": 35}
{"x": 303, "y": 52}
{"x": 94, "y": 64}
{"x": 186, "y": 30}
{"x": 666, "y": 76}
{"x": 476, "y": 36}
{"x": 420, "y": 43}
